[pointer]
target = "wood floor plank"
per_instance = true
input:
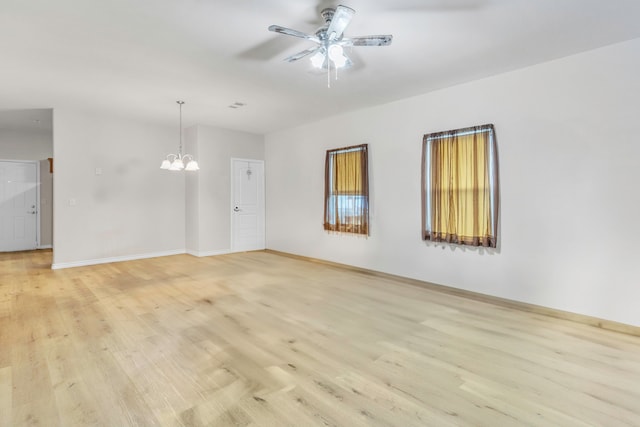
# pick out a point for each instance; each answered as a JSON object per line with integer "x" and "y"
{"x": 259, "y": 339}
{"x": 6, "y": 397}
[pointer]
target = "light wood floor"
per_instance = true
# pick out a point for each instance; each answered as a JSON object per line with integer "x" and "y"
{"x": 258, "y": 339}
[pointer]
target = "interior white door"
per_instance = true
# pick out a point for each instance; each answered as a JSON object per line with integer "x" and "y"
{"x": 18, "y": 206}
{"x": 247, "y": 204}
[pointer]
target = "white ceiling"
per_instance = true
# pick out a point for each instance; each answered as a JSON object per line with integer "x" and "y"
{"x": 138, "y": 57}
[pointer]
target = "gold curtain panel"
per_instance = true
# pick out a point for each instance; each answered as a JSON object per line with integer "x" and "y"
{"x": 347, "y": 190}
{"x": 460, "y": 187}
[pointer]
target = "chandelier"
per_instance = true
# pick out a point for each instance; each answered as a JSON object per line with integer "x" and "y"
{"x": 178, "y": 162}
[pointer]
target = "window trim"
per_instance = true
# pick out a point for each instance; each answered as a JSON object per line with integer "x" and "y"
{"x": 362, "y": 230}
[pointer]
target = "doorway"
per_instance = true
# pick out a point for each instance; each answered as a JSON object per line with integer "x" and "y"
{"x": 19, "y": 201}
{"x": 26, "y": 137}
{"x": 247, "y": 205}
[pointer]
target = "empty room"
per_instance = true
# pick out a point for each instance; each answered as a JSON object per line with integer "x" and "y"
{"x": 303, "y": 213}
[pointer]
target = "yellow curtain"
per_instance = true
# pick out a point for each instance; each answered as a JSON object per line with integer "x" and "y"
{"x": 347, "y": 173}
{"x": 347, "y": 190}
{"x": 461, "y": 186}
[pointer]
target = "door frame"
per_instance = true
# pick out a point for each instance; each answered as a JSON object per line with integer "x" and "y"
{"x": 36, "y": 163}
{"x": 232, "y": 242}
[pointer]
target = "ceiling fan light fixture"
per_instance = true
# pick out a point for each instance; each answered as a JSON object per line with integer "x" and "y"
{"x": 329, "y": 38}
{"x": 340, "y": 62}
{"x": 337, "y": 56}
{"x": 317, "y": 60}
{"x": 335, "y": 52}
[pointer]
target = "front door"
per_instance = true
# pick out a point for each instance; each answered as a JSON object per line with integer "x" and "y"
{"x": 18, "y": 206}
{"x": 247, "y": 205}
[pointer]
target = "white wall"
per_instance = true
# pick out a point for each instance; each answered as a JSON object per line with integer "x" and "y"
{"x": 25, "y": 144}
{"x": 209, "y": 190}
{"x": 133, "y": 208}
{"x": 192, "y": 194}
{"x": 568, "y": 152}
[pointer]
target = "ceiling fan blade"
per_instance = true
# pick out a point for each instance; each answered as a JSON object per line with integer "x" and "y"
{"x": 302, "y": 54}
{"x": 294, "y": 33}
{"x": 383, "y": 40}
{"x": 341, "y": 19}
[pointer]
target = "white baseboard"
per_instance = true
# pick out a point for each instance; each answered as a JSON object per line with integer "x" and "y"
{"x": 84, "y": 263}
{"x": 45, "y": 247}
{"x": 209, "y": 253}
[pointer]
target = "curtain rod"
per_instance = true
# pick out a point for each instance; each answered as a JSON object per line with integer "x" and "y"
{"x": 459, "y": 132}
{"x": 449, "y": 135}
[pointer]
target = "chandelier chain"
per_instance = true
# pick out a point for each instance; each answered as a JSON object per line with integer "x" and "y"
{"x": 180, "y": 103}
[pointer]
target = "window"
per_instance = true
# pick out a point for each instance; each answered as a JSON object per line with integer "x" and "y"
{"x": 460, "y": 187}
{"x": 346, "y": 190}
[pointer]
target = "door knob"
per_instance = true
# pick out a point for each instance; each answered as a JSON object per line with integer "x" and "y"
{"x": 236, "y": 209}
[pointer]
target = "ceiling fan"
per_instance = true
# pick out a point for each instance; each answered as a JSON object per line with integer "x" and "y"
{"x": 330, "y": 40}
